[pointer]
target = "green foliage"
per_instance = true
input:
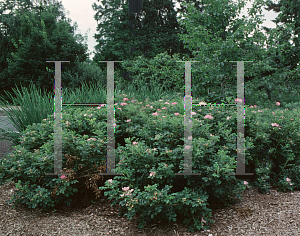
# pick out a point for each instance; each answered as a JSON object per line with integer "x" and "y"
{"x": 163, "y": 142}
{"x": 34, "y": 106}
{"x": 160, "y": 204}
{"x": 162, "y": 70}
{"x": 149, "y": 164}
{"x": 153, "y": 31}
{"x": 275, "y": 135}
{"x": 149, "y": 187}
{"x": 33, "y": 37}
{"x": 84, "y": 73}
{"x": 34, "y": 157}
{"x": 216, "y": 37}
{"x": 289, "y": 21}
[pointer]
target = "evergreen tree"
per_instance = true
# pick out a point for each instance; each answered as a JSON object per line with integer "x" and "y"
{"x": 154, "y": 30}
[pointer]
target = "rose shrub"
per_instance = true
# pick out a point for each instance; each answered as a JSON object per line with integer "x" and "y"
{"x": 150, "y": 151}
{"x": 276, "y": 136}
{"x": 82, "y": 157}
{"x": 212, "y": 157}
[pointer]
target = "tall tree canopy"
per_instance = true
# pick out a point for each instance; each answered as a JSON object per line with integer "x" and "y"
{"x": 216, "y": 35}
{"x": 154, "y": 30}
{"x": 33, "y": 32}
{"x": 287, "y": 32}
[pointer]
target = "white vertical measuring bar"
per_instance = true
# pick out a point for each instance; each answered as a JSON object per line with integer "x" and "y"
{"x": 188, "y": 147}
{"x": 240, "y": 169}
{"x": 57, "y": 120}
{"x": 110, "y": 168}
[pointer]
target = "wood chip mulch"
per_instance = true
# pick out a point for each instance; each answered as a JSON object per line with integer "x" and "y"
{"x": 273, "y": 213}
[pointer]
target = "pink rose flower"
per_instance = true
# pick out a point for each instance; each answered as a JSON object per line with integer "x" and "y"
{"x": 92, "y": 139}
{"x": 152, "y": 174}
{"x": 208, "y": 117}
{"x": 125, "y": 189}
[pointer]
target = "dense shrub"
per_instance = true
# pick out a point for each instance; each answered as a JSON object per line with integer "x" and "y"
{"x": 150, "y": 140}
{"x": 162, "y": 70}
{"x": 82, "y": 158}
{"x": 214, "y": 145}
{"x": 83, "y": 72}
{"x": 276, "y": 137}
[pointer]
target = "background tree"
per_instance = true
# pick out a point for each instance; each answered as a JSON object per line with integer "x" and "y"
{"x": 284, "y": 40}
{"x": 282, "y": 47}
{"x": 32, "y": 33}
{"x": 289, "y": 18}
{"x": 198, "y": 5}
{"x": 216, "y": 36}
{"x": 156, "y": 30}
